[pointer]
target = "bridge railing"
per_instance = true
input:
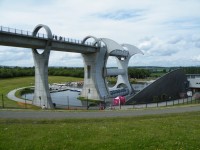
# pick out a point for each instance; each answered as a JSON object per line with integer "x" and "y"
{"x": 41, "y": 35}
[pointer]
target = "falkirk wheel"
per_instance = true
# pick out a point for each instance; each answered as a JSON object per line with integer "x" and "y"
{"x": 95, "y": 71}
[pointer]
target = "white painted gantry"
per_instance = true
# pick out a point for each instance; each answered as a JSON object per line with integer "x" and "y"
{"x": 95, "y": 56}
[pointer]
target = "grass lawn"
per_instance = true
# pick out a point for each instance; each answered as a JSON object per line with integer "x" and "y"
{"x": 6, "y": 85}
{"x": 175, "y": 131}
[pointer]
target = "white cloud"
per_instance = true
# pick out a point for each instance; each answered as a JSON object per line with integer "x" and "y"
{"x": 166, "y": 31}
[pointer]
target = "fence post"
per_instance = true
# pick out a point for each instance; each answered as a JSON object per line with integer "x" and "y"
{"x": 173, "y": 102}
{"x": 2, "y": 101}
{"x": 166, "y": 102}
{"x": 25, "y": 100}
{"x": 87, "y": 102}
{"x": 68, "y": 102}
{"x": 146, "y": 105}
{"x": 157, "y": 104}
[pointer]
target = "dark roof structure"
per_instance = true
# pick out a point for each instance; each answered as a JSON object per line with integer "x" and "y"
{"x": 171, "y": 86}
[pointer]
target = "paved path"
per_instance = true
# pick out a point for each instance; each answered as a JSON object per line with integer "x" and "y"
{"x": 46, "y": 114}
{"x": 11, "y": 95}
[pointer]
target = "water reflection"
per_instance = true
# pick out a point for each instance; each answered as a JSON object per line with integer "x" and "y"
{"x": 65, "y": 98}
{"x": 61, "y": 98}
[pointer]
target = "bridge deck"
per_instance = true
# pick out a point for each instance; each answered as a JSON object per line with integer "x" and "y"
{"x": 19, "y": 38}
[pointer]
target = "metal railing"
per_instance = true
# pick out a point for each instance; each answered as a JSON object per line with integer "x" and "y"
{"x": 44, "y": 36}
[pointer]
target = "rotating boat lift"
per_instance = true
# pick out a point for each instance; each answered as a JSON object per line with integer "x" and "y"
{"x": 95, "y": 71}
{"x": 95, "y": 58}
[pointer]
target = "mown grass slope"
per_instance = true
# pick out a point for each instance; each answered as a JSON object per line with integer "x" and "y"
{"x": 175, "y": 131}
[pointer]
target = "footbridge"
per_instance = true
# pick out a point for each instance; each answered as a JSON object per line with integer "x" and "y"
{"x": 35, "y": 40}
{"x": 95, "y": 55}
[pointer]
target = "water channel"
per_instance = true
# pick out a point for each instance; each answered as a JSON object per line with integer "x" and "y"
{"x": 63, "y": 98}
{"x": 69, "y": 97}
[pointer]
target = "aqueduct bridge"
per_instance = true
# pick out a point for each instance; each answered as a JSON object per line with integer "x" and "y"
{"x": 95, "y": 56}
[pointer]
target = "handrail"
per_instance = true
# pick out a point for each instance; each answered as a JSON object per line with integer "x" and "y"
{"x": 44, "y": 36}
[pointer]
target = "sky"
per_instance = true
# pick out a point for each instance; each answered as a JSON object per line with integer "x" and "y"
{"x": 166, "y": 31}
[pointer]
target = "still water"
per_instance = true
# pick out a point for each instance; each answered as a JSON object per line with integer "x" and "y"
{"x": 65, "y": 98}
{"x": 61, "y": 98}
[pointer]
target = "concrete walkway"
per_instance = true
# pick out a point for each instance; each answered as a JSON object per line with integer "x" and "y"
{"x": 11, "y": 95}
{"x": 51, "y": 114}
{"x": 48, "y": 114}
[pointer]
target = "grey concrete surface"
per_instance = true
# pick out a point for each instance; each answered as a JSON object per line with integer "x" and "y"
{"x": 46, "y": 114}
{"x": 11, "y": 95}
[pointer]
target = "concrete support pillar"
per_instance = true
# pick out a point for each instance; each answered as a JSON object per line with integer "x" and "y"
{"x": 42, "y": 94}
{"x": 123, "y": 64}
{"x": 89, "y": 88}
{"x": 94, "y": 67}
{"x": 95, "y": 85}
{"x": 123, "y": 79}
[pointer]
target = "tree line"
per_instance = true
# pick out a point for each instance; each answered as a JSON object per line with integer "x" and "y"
{"x": 138, "y": 73}
{"x": 191, "y": 70}
{"x": 9, "y": 72}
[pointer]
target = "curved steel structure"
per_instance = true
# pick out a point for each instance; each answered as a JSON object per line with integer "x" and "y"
{"x": 96, "y": 40}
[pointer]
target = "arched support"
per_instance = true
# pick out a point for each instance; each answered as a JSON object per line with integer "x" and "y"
{"x": 117, "y": 50}
{"x": 123, "y": 64}
{"x": 94, "y": 82}
{"x": 123, "y": 53}
{"x": 41, "y": 93}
